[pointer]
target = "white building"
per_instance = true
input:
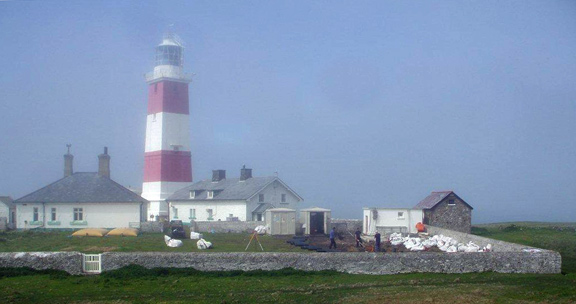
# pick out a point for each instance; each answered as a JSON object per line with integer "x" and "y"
{"x": 220, "y": 199}
{"x": 81, "y": 200}
{"x": 388, "y": 220}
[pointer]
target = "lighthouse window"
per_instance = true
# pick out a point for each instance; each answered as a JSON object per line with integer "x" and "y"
{"x": 155, "y": 87}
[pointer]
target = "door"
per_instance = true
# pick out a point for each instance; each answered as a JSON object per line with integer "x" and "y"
{"x": 316, "y": 222}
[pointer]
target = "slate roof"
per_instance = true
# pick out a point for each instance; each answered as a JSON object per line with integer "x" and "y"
{"x": 82, "y": 187}
{"x": 7, "y": 200}
{"x": 227, "y": 189}
{"x": 263, "y": 207}
{"x": 434, "y": 198}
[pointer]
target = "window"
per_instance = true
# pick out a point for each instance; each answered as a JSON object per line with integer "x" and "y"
{"x": 155, "y": 87}
{"x": 154, "y": 117}
{"x": 451, "y": 203}
{"x": 400, "y": 215}
{"x": 259, "y": 217}
{"x": 210, "y": 195}
{"x": 283, "y": 199}
{"x": 209, "y": 211}
{"x": 35, "y": 216}
{"x": 78, "y": 214}
{"x": 53, "y": 214}
{"x": 192, "y": 214}
{"x": 260, "y": 197}
{"x": 192, "y": 195}
{"x": 175, "y": 213}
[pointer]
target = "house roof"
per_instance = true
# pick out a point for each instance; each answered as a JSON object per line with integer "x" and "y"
{"x": 281, "y": 210}
{"x": 434, "y": 198}
{"x": 262, "y": 207}
{"x": 315, "y": 209}
{"x": 228, "y": 189}
{"x": 82, "y": 187}
{"x": 7, "y": 200}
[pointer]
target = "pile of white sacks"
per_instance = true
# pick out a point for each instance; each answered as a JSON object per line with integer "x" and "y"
{"x": 444, "y": 243}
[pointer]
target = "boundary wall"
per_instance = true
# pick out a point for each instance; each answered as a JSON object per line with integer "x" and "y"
{"x": 461, "y": 237}
{"x": 224, "y": 226}
{"x": 544, "y": 262}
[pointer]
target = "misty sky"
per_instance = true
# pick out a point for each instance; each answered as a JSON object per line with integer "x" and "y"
{"x": 354, "y": 104}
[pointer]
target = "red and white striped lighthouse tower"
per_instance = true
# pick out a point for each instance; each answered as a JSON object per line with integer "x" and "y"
{"x": 167, "y": 158}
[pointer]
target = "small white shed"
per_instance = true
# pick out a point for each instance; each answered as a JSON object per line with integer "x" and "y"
{"x": 281, "y": 221}
{"x": 316, "y": 220}
{"x": 389, "y": 220}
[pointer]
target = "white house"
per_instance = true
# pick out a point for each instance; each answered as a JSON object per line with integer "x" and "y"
{"x": 222, "y": 199}
{"x": 388, "y": 220}
{"x": 81, "y": 200}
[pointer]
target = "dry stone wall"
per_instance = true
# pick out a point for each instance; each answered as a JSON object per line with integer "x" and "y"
{"x": 353, "y": 262}
{"x": 70, "y": 262}
{"x": 349, "y": 262}
{"x": 224, "y": 226}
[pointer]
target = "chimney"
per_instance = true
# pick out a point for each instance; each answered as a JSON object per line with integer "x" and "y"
{"x": 68, "y": 160}
{"x": 218, "y": 175}
{"x": 245, "y": 173}
{"x": 104, "y": 164}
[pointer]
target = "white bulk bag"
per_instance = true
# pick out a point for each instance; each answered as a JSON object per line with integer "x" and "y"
{"x": 203, "y": 244}
{"x": 170, "y": 242}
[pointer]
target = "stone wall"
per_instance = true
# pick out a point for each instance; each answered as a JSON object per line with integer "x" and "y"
{"x": 343, "y": 225}
{"x": 149, "y": 226}
{"x": 224, "y": 226}
{"x": 497, "y": 246}
{"x": 456, "y": 217}
{"x": 349, "y": 262}
{"x": 70, "y": 262}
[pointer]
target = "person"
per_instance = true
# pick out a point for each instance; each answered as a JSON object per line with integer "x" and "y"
{"x": 377, "y": 239}
{"x": 358, "y": 239}
{"x": 332, "y": 237}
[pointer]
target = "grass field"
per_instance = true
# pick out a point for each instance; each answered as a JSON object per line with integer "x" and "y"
{"x": 138, "y": 285}
{"x": 61, "y": 241}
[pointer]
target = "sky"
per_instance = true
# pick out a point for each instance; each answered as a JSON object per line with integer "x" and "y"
{"x": 353, "y": 103}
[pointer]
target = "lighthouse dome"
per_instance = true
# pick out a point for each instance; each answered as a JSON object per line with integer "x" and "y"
{"x": 169, "y": 52}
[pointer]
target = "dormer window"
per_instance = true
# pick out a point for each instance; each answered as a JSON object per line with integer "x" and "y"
{"x": 192, "y": 194}
{"x": 210, "y": 195}
{"x": 400, "y": 215}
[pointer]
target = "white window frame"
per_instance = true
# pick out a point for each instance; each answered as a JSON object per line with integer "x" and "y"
{"x": 210, "y": 195}
{"x": 192, "y": 194}
{"x": 451, "y": 202}
{"x": 192, "y": 214}
{"x": 78, "y": 214}
{"x": 53, "y": 214}
{"x": 210, "y": 214}
{"x": 35, "y": 214}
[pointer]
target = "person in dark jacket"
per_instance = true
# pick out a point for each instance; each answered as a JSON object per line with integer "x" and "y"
{"x": 358, "y": 239}
{"x": 332, "y": 237}
{"x": 377, "y": 239}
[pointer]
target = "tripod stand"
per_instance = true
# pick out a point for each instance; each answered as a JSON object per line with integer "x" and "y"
{"x": 254, "y": 236}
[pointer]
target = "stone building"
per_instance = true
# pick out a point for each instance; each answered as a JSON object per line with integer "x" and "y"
{"x": 231, "y": 199}
{"x": 447, "y": 210}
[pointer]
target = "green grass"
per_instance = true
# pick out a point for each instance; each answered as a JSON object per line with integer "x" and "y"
{"x": 61, "y": 241}
{"x": 137, "y": 285}
{"x": 559, "y": 237}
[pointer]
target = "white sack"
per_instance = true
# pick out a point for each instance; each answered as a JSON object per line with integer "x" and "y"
{"x": 170, "y": 242}
{"x": 195, "y": 235}
{"x": 260, "y": 229}
{"x": 203, "y": 244}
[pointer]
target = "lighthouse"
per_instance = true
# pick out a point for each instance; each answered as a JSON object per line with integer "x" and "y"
{"x": 167, "y": 157}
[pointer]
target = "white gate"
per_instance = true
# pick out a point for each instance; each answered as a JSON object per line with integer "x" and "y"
{"x": 92, "y": 263}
